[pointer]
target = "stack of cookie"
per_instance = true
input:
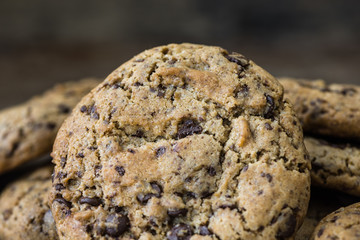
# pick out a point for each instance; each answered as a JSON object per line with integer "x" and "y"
{"x": 181, "y": 142}
{"x": 330, "y": 116}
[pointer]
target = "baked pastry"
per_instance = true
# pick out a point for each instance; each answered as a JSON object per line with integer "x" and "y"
{"x": 24, "y": 210}
{"x": 306, "y": 229}
{"x": 183, "y": 141}
{"x": 331, "y": 110}
{"x": 27, "y": 131}
{"x": 334, "y": 165}
{"x": 344, "y": 224}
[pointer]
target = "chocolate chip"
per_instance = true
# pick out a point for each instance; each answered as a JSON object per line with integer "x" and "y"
{"x": 50, "y": 125}
{"x": 61, "y": 175}
{"x": 243, "y": 91}
{"x": 204, "y": 231}
{"x": 137, "y": 84}
{"x": 93, "y": 113}
{"x": 211, "y": 171}
{"x": 63, "y": 108}
{"x": 238, "y": 59}
{"x": 95, "y": 201}
{"x": 245, "y": 168}
{"x": 131, "y": 150}
{"x": 190, "y": 195}
{"x": 62, "y": 161}
{"x": 270, "y": 107}
{"x": 139, "y": 133}
{"x": 180, "y": 231}
{"x": 144, "y": 198}
{"x": 160, "y": 151}
{"x": 333, "y": 219}
{"x": 59, "y": 187}
{"x": 121, "y": 224}
{"x": 14, "y": 147}
{"x": 118, "y": 209}
{"x": 321, "y": 231}
{"x": 172, "y": 61}
{"x": 98, "y": 170}
{"x": 177, "y": 212}
{"x": 92, "y": 148}
{"x": 7, "y": 213}
{"x": 157, "y": 188}
{"x": 89, "y": 228}
{"x": 188, "y": 127}
{"x": 62, "y": 201}
{"x": 100, "y": 231}
{"x": 120, "y": 170}
{"x": 83, "y": 109}
{"x": 79, "y": 174}
{"x": 116, "y": 86}
{"x": 268, "y": 126}
{"x": 80, "y": 155}
{"x": 288, "y": 228}
{"x": 206, "y": 194}
{"x": 230, "y": 206}
{"x": 95, "y": 116}
{"x": 267, "y": 175}
{"x": 161, "y": 91}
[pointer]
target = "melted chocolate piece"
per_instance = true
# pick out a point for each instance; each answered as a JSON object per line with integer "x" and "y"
{"x": 188, "y": 127}
{"x": 180, "y": 231}
{"x": 95, "y": 201}
{"x": 121, "y": 225}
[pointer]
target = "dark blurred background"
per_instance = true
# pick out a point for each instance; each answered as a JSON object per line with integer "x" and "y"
{"x": 44, "y": 42}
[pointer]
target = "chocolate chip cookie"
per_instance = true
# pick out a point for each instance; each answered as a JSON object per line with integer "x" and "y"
{"x": 334, "y": 165}
{"x": 344, "y": 223}
{"x": 28, "y": 130}
{"x": 183, "y": 141}
{"x": 332, "y": 110}
{"x": 24, "y": 210}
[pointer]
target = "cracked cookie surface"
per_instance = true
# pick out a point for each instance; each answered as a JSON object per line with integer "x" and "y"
{"x": 28, "y": 130}
{"x": 344, "y": 224}
{"x": 327, "y": 109}
{"x": 334, "y": 165}
{"x": 24, "y": 210}
{"x": 181, "y": 142}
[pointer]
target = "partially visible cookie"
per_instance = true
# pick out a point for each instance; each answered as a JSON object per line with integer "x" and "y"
{"x": 28, "y": 130}
{"x": 344, "y": 224}
{"x": 332, "y": 110}
{"x": 183, "y": 141}
{"x": 306, "y": 229}
{"x": 24, "y": 210}
{"x": 334, "y": 165}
